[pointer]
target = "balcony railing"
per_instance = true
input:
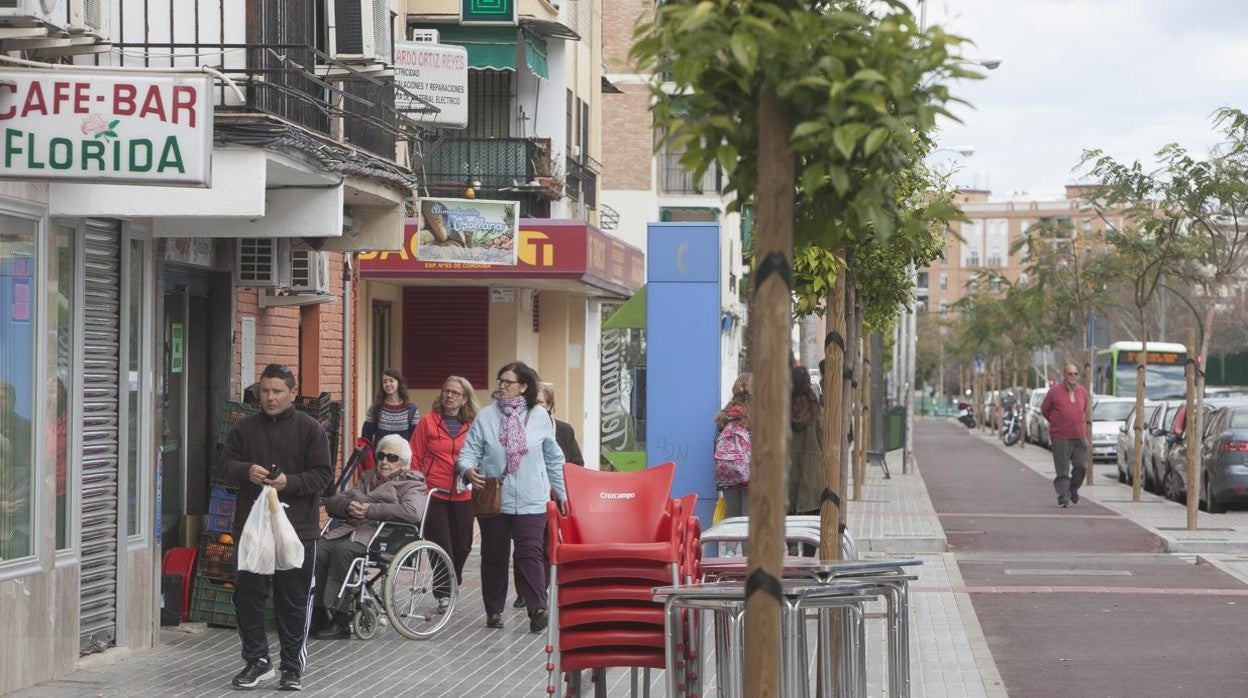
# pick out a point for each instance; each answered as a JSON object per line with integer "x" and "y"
{"x": 582, "y": 183}
{"x": 514, "y": 165}
{"x": 307, "y": 87}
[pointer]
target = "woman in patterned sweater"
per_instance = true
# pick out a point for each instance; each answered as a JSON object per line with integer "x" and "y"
{"x": 390, "y": 413}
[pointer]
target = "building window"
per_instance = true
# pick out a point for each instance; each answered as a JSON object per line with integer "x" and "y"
{"x": 19, "y": 391}
{"x": 944, "y": 308}
{"x": 972, "y": 286}
{"x": 994, "y": 284}
{"x": 972, "y": 258}
{"x": 994, "y": 258}
{"x": 61, "y": 317}
{"x": 944, "y": 281}
{"x": 678, "y": 180}
{"x": 489, "y": 104}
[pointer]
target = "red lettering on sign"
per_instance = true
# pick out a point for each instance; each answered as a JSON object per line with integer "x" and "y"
{"x": 153, "y": 104}
{"x": 34, "y": 101}
{"x": 60, "y": 95}
{"x": 184, "y": 100}
{"x": 11, "y": 111}
{"x": 123, "y": 99}
{"x": 81, "y": 97}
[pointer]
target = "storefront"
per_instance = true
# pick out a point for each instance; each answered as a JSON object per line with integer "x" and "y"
{"x": 434, "y": 319}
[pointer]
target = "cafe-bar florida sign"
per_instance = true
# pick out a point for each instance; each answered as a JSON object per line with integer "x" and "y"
{"x": 120, "y": 128}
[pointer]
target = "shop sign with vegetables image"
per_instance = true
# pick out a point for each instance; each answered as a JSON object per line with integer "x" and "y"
{"x": 468, "y": 231}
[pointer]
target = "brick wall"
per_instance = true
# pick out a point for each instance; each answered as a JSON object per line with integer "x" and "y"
{"x": 278, "y": 337}
{"x": 627, "y": 139}
{"x": 619, "y": 19}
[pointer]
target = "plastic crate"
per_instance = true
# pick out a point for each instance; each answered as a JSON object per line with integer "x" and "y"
{"x": 212, "y": 602}
{"x": 216, "y": 560}
{"x": 231, "y": 413}
{"x": 220, "y": 516}
{"x": 317, "y": 407}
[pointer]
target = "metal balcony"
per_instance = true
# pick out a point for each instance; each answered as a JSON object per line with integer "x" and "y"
{"x": 496, "y": 166}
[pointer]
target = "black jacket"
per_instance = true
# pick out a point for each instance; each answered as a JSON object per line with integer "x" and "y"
{"x": 565, "y": 436}
{"x": 298, "y": 445}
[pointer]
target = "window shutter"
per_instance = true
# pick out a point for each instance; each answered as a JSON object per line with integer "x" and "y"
{"x": 446, "y": 332}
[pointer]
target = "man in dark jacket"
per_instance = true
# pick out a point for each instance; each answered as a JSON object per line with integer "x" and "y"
{"x": 288, "y": 450}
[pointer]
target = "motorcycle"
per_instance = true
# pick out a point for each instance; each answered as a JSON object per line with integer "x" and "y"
{"x": 965, "y": 415}
{"x": 1010, "y": 425}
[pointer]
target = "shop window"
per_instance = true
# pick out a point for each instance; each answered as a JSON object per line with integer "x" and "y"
{"x": 61, "y": 318}
{"x": 19, "y": 392}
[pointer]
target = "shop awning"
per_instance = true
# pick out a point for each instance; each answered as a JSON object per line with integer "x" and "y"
{"x": 631, "y": 315}
{"x": 494, "y": 48}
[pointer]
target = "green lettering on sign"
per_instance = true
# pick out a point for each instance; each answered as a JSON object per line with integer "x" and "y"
{"x": 487, "y": 12}
{"x": 175, "y": 348}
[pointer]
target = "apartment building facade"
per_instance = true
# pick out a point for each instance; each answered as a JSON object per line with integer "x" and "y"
{"x": 180, "y": 230}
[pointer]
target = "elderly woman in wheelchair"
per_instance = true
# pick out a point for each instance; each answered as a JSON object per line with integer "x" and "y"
{"x": 374, "y": 539}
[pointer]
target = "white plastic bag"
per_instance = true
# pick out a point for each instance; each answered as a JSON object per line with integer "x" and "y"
{"x": 289, "y": 547}
{"x": 256, "y": 551}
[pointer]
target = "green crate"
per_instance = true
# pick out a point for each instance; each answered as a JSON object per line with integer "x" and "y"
{"x": 212, "y": 602}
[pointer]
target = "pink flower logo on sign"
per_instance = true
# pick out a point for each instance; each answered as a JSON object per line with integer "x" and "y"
{"x": 98, "y": 126}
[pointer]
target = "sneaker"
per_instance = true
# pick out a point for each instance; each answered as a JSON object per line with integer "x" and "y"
{"x": 1062, "y": 503}
{"x": 291, "y": 681}
{"x": 518, "y": 603}
{"x": 1074, "y": 496}
{"x": 494, "y": 620}
{"x": 257, "y": 670}
{"x": 443, "y": 604}
{"x": 537, "y": 620}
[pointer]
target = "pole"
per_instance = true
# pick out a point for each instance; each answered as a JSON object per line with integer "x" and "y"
{"x": 773, "y": 288}
{"x": 1193, "y": 474}
{"x": 1087, "y": 422}
{"x": 907, "y": 456}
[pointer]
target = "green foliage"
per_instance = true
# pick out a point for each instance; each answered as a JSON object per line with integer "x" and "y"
{"x": 857, "y": 88}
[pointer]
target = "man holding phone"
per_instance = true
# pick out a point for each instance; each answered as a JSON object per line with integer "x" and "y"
{"x": 288, "y": 450}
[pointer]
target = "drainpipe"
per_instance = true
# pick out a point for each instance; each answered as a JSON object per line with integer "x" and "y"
{"x": 347, "y": 302}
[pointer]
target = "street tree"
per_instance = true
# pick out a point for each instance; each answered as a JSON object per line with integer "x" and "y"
{"x": 824, "y": 122}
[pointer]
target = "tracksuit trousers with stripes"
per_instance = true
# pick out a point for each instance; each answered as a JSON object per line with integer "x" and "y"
{"x": 292, "y": 601}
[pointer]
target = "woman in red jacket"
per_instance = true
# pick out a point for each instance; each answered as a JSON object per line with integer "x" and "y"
{"x": 436, "y": 443}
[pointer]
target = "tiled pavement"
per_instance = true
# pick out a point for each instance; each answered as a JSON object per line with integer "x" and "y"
{"x": 949, "y": 656}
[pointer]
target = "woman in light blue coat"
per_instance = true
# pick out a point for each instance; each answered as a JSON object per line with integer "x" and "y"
{"x": 504, "y": 442}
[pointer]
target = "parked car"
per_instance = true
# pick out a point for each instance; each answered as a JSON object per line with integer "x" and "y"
{"x": 1126, "y": 440}
{"x": 1034, "y": 418}
{"x": 1224, "y": 459}
{"x": 1108, "y": 415}
{"x": 1153, "y": 455}
{"x": 1173, "y": 480}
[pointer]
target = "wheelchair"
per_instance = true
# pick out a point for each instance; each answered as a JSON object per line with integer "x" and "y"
{"x": 402, "y": 580}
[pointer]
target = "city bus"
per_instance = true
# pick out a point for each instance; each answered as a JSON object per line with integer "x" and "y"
{"x": 1165, "y": 377}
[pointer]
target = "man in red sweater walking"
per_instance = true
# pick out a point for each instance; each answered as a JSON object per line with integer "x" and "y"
{"x": 1065, "y": 406}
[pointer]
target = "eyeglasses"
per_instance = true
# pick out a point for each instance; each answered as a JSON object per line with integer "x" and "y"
{"x": 452, "y": 393}
{"x": 390, "y": 457}
{"x": 504, "y": 383}
{"x": 1072, "y": 373}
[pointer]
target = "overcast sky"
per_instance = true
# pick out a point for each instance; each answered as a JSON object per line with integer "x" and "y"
{"x": 1124, "y": 76}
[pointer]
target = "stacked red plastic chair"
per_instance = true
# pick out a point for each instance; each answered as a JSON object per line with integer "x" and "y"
{"x": 622, "y": 536}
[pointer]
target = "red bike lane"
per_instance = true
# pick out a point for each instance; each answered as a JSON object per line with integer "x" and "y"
{"x": 1078, "y": 601}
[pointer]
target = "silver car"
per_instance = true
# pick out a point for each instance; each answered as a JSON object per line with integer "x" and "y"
{"x": 1037, "y": 425}
{"x": 1126, "y": 440}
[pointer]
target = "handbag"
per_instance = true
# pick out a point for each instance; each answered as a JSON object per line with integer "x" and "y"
{"x": 487, "y": 500}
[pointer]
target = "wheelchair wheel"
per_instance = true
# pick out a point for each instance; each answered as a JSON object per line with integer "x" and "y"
{"x": 366, "y": 621}
{"x": 420, "y": 576}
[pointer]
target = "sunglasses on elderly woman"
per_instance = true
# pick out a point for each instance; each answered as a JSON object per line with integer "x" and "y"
{"x": 390, "y": 457}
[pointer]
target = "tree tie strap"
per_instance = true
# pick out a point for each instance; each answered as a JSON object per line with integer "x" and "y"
{"x": 773, "y": 263}
{"x": 829, "y": 496}
{"x": 760, "y": 579}
{"x": 834, "y": 337}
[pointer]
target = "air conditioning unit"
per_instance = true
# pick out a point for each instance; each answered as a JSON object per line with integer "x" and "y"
{"x": 89, "y": 17}
{"x": 262, "y": 262}
{"x": 361, "y": 31}
{"x": 429, "y": 36}
{"x": 309, "y": 272}
{"x": 28, "y": 13}
{"x": 574, "y": 152}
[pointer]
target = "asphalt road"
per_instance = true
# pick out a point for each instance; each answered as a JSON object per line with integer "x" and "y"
{"x": 1079, "y": 601}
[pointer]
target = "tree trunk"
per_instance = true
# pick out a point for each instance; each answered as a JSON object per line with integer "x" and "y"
{"x": 833, "y": 376}
{"x": 1141, "y": 369}
{"x": 769, "y": 417}
{"x": 847, "y": 398}
{"x": 862, "y": 435}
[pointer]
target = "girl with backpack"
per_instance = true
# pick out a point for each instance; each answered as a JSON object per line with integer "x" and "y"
{"x": 732, "y": 447}
{"x": 390, "y": 413}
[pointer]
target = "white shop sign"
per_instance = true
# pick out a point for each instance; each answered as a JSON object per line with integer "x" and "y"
{"x": 120, "y": 128}
{"x": 438, "y": 74}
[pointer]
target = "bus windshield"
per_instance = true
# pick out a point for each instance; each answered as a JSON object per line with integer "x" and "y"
{"x": 1161, "y": 381}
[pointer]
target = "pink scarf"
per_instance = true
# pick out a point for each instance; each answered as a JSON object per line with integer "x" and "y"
{"x": 512, "y": 436}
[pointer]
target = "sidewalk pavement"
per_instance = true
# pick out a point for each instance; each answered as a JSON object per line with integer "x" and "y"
{"x": 894, "y": 519}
